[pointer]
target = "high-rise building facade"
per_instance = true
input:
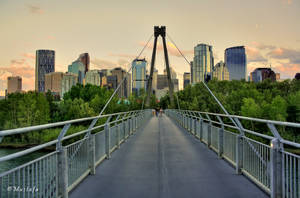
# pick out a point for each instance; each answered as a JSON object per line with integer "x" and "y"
{"x": 124, "y": 90}
{"x": 221, "y": 71}
{"x": 172, "y": 71}
{"x": 162, "y": 81}
{"x": 77, "y": 68}
{"x": 85, "y": 59}
{"x": 68, "y": 81}
{"x": 260, "y": 74}
{"x": 14, "y": 84}
{"x": 139, "y": 75}
{"x": 45, "y": 63}
{"x": 236, "y": 62}
{"x": 154, "y": 79}
{"x": 186, "y": 79}
{"x": 53, "y": 82}
{"x": 203, "y": 63}
{"x": 93, "y": 77}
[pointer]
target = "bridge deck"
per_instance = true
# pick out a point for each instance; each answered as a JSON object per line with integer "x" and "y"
{"x": 162, "y": 160}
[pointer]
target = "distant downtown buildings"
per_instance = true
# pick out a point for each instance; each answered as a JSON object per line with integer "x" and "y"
{"x": 203, "y": 68}
{"x": 139, "y": 70}
{"x": 14, "y": 84}
{"x": 44, "y": 64}
{"x": 236, "y": 62}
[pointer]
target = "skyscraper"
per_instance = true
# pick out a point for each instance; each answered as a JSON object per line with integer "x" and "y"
{"x": 93, "y": 77}
{"x": 138, "y": 75}
{"x": 203, "y": 63}
{"x": 221, "y": 71}
{"x": 236, "y": 62}
{"x": 14, "y": 84}
{"x": 124, "y": 91}
{"x": 45, "y": 63}
{"x": 77, "y": 68}
{"x": 260, "y": 74}
{"x": 186, "y": 79}
{"x": 68, "y": 81}
{"x": 85, "y": 59}
{"x": 53, "y": 82}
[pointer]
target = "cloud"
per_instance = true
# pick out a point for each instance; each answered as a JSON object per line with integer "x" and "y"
{"x": 284, "y": 53}
{"x": 262, "y": 46}
{"x": 51, "y": 37}
{"x": 35, "y": 9}
{"x": 103, "y": 63}
{"x": 28, "y": 55}
{"x": 286, "y": 70}
{"x": 288, "y": 2}
{"x": 131, "y": 56}
{"x": 172, "y": 50}
{"x": 254, "y": 55}
{"x": 19, "y": 67}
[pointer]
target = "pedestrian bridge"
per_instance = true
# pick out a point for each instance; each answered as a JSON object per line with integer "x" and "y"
{"x": 178, "y": 154}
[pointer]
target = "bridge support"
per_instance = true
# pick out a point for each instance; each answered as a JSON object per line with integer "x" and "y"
{"x": 62, "y": 173}
{"x": 159, "y": 31}
{"x": 276, "y": 171}
{"x": 239, "y": 154}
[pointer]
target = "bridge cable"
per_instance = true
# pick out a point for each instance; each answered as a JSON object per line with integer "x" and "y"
{"x": 114, "y": 93}
{"x": 236, "y": 122}
{"x": 216, "y": 99}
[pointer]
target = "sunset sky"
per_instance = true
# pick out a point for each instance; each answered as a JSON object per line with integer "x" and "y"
{"x": 113, "y": 32}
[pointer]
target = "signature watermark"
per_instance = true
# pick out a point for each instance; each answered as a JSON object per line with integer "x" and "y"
{"x": 22, "y": 189}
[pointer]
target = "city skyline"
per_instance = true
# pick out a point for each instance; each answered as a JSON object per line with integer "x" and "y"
{"x": 110, "y": 41}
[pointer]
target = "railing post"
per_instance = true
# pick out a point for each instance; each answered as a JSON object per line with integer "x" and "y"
{"x": 239, "y": 154}
{"x": 131, "y": 125}
{"x": 107, "y": 140}
{"x": 276, "y": 169}
{"x": 195, "y": 127}
{"x": 221, "y": 147}
{"x": 118, "y": 128}
{"x": 201, "y": 130}
{"x": 92, "y": 154}
{"x": 62, "y": 173}
{"x": 209, "y": 134}
{"x": 191, "y": 125}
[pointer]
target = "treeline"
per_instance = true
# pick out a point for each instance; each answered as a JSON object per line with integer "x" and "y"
{"x": 32, "y": 108}
{"x": 266, "y": 100}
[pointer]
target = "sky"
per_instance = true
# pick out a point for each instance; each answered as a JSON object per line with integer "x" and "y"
{"x": 114, "y": 32}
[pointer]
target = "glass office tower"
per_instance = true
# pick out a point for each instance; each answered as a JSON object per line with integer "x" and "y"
{"x": 203, "y": 63}
{"x": 236, "y": 62}
{"x": 138, "y": 75}
{"x": 44, "y": 64}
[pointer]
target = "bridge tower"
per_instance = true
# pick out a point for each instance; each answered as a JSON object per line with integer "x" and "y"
{"x": 159, "y": 31}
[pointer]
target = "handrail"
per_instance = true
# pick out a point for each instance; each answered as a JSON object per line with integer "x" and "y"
{"x": 46, "y": 126}
{"x": 281, "y": 123}
{"x": 55, "y": 124}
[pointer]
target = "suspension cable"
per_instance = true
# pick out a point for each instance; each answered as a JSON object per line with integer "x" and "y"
{"x": 205, "y": 85}
{"x": 114, "y": 93}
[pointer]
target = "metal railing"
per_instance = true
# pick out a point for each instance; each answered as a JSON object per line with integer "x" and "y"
{"x": 57, "y": 173}
{"x": 273, "y": 169}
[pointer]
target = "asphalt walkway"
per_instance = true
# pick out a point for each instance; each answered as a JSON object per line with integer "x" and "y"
{"x": 164, "y": 161}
